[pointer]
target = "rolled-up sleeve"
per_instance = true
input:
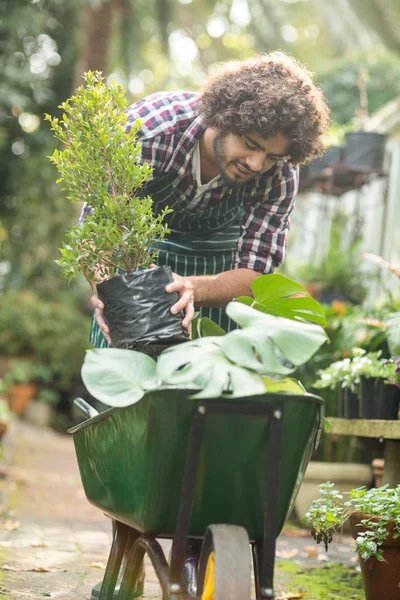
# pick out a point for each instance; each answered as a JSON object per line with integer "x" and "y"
{"x": 265, "y": 225}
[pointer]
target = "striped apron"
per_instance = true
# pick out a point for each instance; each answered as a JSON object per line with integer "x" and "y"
{"x": 200, "y": 243}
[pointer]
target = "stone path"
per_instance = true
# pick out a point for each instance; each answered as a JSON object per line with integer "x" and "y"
{"x": 54, "y": 544}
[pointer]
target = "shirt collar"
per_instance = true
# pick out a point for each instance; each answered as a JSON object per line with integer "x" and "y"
{"x": 181, "y": 156}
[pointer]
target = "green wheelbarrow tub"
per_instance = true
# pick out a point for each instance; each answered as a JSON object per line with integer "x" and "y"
{"x": 132, "y": 461}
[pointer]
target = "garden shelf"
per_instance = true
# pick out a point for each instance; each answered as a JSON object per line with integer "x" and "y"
{"x": 338, "y": 179}
{"x": 378, "y": 429}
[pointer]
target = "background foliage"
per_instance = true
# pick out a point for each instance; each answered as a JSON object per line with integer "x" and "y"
{"x": 147, "y": 45}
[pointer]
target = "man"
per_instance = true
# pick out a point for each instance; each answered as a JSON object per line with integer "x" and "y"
{"x": 226, "y": 160}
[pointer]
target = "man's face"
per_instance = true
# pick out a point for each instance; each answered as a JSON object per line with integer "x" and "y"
{"x": 242, "y": 158}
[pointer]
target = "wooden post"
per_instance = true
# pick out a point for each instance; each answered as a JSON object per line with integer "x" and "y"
{"x": 391, "y": 472}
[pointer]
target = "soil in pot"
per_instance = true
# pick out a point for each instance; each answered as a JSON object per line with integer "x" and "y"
{"x": 387, "y": 401}
{"x": 350, "y": 404}
{"x": 137, "y": 310}
{"x": 381, "y": 578}
{"x": 367, "y": 398}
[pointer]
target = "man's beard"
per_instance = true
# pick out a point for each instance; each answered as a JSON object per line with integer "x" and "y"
{"x": 219, "y": 147}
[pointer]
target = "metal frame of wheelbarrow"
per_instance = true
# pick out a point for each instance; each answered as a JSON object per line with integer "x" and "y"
{"x": 129, "y": 545}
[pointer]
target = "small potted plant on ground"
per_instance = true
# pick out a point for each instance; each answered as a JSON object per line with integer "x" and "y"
{"x": 20, "y": 383}
{"x": 41, "y": 409}
{"x": 114, "y": 246}
{"x": 375, "y": 522}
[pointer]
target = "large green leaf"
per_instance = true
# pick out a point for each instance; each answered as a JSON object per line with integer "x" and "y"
{"x": 118, "y": 377}
{"x": 232, "y": 365}
{"x": 279, "y": 345}
{"x": 279, "y": 296}
{"x": 203, "y": 362}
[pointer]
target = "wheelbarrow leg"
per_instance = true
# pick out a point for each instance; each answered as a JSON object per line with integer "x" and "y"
{"x": 257, "y": 562}
{"x": 123, "y": 539}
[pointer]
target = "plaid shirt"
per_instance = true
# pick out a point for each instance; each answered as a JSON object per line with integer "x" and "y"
{"x": 171, "y": 127}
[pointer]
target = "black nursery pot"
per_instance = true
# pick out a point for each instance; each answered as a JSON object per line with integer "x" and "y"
{"x": 137, "y": 310}
{"x": 365, "y": 150}
{"x": 387, "y": 401}
{"x": 341, "y": 413}
{"x": 367, "y": 398}
{"x": 350, "y": 404}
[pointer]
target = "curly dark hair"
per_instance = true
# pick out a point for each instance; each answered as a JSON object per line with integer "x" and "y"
{"x": 267, "y": 94}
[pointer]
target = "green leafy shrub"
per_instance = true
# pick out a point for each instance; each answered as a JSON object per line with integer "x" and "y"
{"x": 53, "y": 332}
{"x": 328, "y": 513}
{"x": 100, "y": 165}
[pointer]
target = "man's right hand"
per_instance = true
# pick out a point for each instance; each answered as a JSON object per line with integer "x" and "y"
{"x": 99, "y": 314}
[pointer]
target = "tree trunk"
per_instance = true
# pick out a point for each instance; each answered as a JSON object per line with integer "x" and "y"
{"x": 96, "y": 32}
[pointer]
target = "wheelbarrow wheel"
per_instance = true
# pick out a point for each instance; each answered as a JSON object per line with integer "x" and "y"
{"x": 224, "y": 568}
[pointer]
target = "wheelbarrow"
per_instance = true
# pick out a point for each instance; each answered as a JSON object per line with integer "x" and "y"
{"x": 226, "y": 472}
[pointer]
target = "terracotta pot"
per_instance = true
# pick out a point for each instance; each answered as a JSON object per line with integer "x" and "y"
{"x": 3, "y": 429}
{"x": 381, "y": 578}
{"x": 20, "y": 395}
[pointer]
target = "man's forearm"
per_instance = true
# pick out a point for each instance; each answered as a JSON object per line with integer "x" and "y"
{"x": 219, "y": 290}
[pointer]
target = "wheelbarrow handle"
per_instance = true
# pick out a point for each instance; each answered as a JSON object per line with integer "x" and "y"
{"x": 85, "y": 407}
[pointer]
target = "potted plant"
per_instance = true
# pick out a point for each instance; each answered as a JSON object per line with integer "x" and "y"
{"x": 367, "y": 385}
{"x": 40, "y": 410}
{"x": 374, "y": 517}
{"x": 364, "y": 150}
{"x": 20, "y": 384}
{"x": 339, "y": 376}
{"x": 114, "y": 246}
{"x": 253, "y": 360}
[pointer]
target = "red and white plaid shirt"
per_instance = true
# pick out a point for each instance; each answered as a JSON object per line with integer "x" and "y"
{"x": 171, "y": 128}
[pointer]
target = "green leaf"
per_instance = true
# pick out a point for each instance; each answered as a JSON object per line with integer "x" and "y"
{"x": 279, "y": 345}
{"x": 327, "y": 425}
{"x": 232, "y": 365}
{"x": 207, "y": 327}
{"x": 280, "y": 296}
{"x": 288, "y": 385}
{"x": 118, "y": 377}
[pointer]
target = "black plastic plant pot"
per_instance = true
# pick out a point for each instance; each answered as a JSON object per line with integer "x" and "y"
{"x": 367, "y": 398}
{"x": 350, "y": 404}
{"x": 137, "y": 310}
{"x": 341, "y": 414}
{"x": 365, "y": 150}
{"x": 332, "y": 156}
{"x": 387, "y": 401}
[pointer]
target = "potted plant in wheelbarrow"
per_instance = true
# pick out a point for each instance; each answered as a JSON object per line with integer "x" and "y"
{"x": 374, "y": 517}
{"x": 114, "y": 244}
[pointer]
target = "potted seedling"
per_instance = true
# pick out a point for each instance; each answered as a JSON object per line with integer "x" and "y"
{"x": 367, "y": 384}
{"x": 20, "y": 383}
{"x": 374, "y": 517}
{"x": 100, "y": 164}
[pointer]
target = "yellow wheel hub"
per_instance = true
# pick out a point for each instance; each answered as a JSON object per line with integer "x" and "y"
{"x": 208, "y": 588}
